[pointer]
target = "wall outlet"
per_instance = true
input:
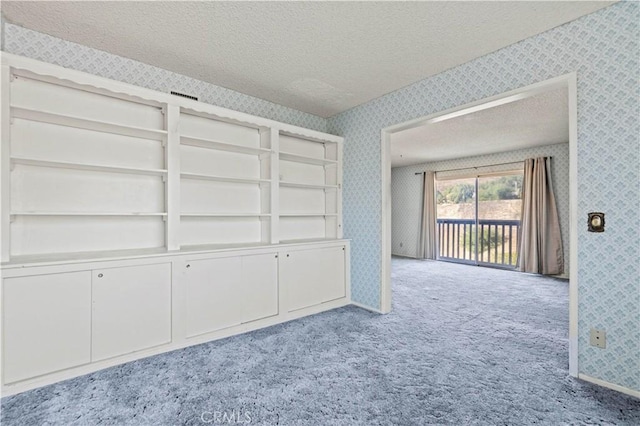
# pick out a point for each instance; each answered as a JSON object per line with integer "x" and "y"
{"x": 598, "y": 338}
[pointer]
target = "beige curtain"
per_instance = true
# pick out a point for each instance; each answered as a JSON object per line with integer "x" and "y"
{"x": 427, "y": 249}
{"x": 540, "y": 250}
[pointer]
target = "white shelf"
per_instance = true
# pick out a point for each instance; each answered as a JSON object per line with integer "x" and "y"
{"x": 242, "y": 215}
{"x": 222, "y": 146}
{"x": 87, "y": 167}
{"x": 44, "y": 213}
{"x": 288, "y": 156}
{"x": 307, "y": 185}
{"x": 86, "y": 124}
{"x": 309, "y": 240}
{"x": 308, "y": 215}
{"x": 223, "y": 178}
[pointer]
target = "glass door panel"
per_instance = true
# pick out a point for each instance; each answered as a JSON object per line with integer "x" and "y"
{"x": 456, "y": 219}
{"x": 499, "y": 209}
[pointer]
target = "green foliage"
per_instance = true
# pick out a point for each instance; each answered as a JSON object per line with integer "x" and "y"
{"x": 458, "y": 193}
{"x": 483, "y": 239}
{"x": 502, "y": 188}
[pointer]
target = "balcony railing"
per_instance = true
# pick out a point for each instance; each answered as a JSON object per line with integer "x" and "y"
{"x": 497, "y": 241}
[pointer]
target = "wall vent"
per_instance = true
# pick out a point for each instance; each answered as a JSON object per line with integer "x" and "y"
{"x": 195, "y": 98}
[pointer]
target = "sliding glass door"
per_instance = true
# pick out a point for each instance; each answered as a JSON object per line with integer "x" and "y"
{"x": 479, "y": 219}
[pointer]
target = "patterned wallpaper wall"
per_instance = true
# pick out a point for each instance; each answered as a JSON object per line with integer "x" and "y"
{"x": 406, "y": 192}
{"x": 603, "y": 49}
{"x": 25, "y": 42}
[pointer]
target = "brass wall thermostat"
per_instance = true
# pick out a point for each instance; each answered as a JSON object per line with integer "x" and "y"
{"x": 596, "y": 222}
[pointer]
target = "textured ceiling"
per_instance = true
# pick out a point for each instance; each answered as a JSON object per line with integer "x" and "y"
{"x": 535, "y": 121}
{"x": 317, "y": 57}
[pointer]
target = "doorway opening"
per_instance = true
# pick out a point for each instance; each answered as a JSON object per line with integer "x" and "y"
{"x": 566, "y": 82}
{"x": 478, "y": 218}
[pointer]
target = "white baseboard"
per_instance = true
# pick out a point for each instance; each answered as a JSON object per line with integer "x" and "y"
{"x": 604, "y": 384}
{"x": 368, "y": 308}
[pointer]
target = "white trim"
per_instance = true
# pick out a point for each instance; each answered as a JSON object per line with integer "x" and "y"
{"x": 5, "y": 163}
{"x": 367, "y": 308}
{"x": 567, "y": 80}
{"x": 608, "y": 385}
{"x": 385, "y": 224}
{"x": 572, "y": 81}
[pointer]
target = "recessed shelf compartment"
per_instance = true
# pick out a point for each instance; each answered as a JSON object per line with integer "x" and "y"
{"x": 223, "y": 178}
{"x": 87, "y": 167}
{"x": 87, "y": 124}
{"x": 222, "y": 146}
{"x": 288, "y": 156}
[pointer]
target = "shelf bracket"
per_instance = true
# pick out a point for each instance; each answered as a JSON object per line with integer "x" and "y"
{"x": 12, "y": 218}
{"x": 12, "y": 77}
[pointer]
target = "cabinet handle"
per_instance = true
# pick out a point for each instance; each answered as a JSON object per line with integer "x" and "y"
{"x": 100, "y": 275}
{"x": 276, "y": 256}
{"x": 188, "y": 265}
{"x": 287, "y": 255}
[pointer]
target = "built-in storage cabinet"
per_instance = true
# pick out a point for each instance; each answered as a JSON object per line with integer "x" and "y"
{"x": 313, "y": 276}
{"x": 227, "y": 291}
{"x": 131, "y": 309}
{"x": 71, "y": 318}
{"x": 56, "y": 321}
{"x": 46, "y": 324}
{"x": 135, "y": 222}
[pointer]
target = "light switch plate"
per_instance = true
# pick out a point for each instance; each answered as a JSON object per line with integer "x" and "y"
{"x": 598, "y": 338}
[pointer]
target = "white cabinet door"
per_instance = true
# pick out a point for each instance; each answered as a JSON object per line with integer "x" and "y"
{"x": 229, "y": 291}
{"x": 259, "y": 298}
{"x": 313, "y": 276}
{"x": 46, "y": 324}
{"x": 212, "y": 294}
{"x": 131, "y": 309}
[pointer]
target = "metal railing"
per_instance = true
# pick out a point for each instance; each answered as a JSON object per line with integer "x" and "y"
{"x": 497, "y": 241}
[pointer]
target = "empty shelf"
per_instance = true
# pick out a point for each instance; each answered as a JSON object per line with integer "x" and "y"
{"x": 87, "y": 167}
{"x": 86, "y": 123}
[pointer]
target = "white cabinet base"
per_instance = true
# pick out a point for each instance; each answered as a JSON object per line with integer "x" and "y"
{"x": 130, "y": 313}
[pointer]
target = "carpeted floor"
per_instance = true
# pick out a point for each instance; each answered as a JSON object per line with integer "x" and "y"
{"x": 463, "y": 346}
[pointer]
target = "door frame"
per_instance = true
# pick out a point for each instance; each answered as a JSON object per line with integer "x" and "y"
{"x": 570, "y": 82}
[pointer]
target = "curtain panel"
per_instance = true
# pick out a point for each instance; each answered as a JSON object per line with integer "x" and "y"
{"x": 540, "y": 249}
{"x": 428, "y": 247}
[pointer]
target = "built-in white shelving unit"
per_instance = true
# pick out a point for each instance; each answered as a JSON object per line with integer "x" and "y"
{"x": 102, "y": 169}
{"x": 135, "y": 222}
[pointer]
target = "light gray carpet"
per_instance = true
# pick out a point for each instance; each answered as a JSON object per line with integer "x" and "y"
{"x": 464, "y": 346}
